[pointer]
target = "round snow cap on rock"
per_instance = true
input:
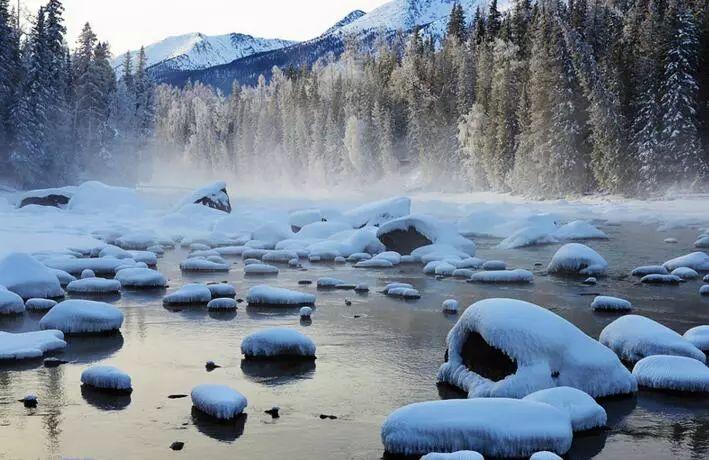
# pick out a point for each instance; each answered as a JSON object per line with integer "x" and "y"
{"x": 450, "y": 305}
{"x": 699, "y": 337}
{"x": 585, "y": 413}
{"x": 27, "y": 277}
{"x": 141, "y": 278}
{"x": 578, "y": 258}
{"x": 278, "y": 342}
{"x": 107, "y": 378}
{"x": 40, "y": 304}
{"x": 672, "y": 373}
{"x": 223, "y": 304}
{"x": 460, "y": 455}
{"x": 545, "y": 455}
{"x": 218, "y": 401}
{"x": 82, "y": 317}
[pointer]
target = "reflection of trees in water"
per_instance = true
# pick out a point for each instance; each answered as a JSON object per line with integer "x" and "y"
{"x": 278, "y": 371}
{"x": 221, "y": 430}
{"x": 55, "y": 394}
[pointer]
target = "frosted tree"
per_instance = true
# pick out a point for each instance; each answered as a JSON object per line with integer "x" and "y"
{"x": 11, "y": 70}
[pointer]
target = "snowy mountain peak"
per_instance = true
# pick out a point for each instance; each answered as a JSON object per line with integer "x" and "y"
{"x": 351, "y": 17}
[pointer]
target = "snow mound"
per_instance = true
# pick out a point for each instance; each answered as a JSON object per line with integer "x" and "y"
{"x": 403, "y": 293}
{"x": 267, "y": 295}
{"x": 450, "y": 306}
{"x": 530, "y": 236}
{"x": 578, "y": 258}
{"x": 260, "y": 269}
{"x": 223, "y": 303}
{"x": 704, "y": 290}
{"x": 141, "y": 278}
{"x": 633, "y": 337}
{"x": 39, "y": 304}
{"x": 699, "y": 337}
{"x": 220, "y": 290}
{"x": 660, "y": 279}
{"x": 649, "y": 270}
{"x": 10, "y": 303}
{"x": 579, "y": 230}
{"x": 214, "y": 196}
{"x": 674, "y": 373}
{"x": 608, "y": 303}
{"x": 503, "y": 276}
{"x": 279, "y": 256}
{"x": 585, "y": 413}
{"x": 545, "y": 455}
{"x": 510, "y": 348}
{"x": 218, "y": 401}
{"x": 374, "y": 263}
{"x": 82, "y": 317}
{"x": 492, "y": 265}
{"x": 203, "y": 265}
{"x": 278, "y": 342}
{"x": 306, "y": 312}
{"x": 94, "y": 196}
{"x": 94, "y": 286}
{"x": 189, "y": 294}
{"x": 406, "y": 234}
{"x": 685, "y": 273}
{"x": 702, "y": 242}
{"x": 495, "y": 427}
{"x": 27, "y": 277}
{"x": 106, "y": 378}
{"x": 100, "y": 266}
{"x": 460, "y": 455}
{"x": 698, "y": 261}
{"x": 378, "y": 212}
{"x": 28, "y": 345}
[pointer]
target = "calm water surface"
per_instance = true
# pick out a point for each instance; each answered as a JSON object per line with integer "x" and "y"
{"x": 366, "y": 366}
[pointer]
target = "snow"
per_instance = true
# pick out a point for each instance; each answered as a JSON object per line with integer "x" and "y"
{"x": 392, "y": 256}
{"x": 39, "y": 304}
{"x": 267, "y": 295}
{"x": 189, "y": 294}
{"x": 545, "y": 455}
{"x": 378, "y": 212}
{"x": 321, "y": 230}
{"x": 391, "y": 286}
{"x": 27, "y": 277}
{"x": 585, "y": 413}
{"x": 661, "y": 279}
{"x": 685, "y": 273}
{"x": 541, "y": 344}
{"x": 495, "y": 427}
{"x": 699, "y": 337}
{"x": 10, "y": 303}
{"x": 222, "y": 303}
{"x": 460, "y": 455}
{"x": 578, "y": 258}
{"x": 450, "y": 306}
{"x": 106, "y": 378}
{"x": 213, "y": 195}
{"x": 608, "y": 303}
{"x": 492, "y": 265}
{"x": 137, "y": 240}
{"x": 579, "y": 230}
{"x": 329, "y": 283}
{"x": 219, "y": 290}
{"x": 444, "y": 269}
{"x": 306, "y": 312}
{"x": 702, "y": 242}
{"x": 100, "y": 266}
{"x": 649, "y": 270}
{"x": 698, "y": 261}
{"x": 374, "y": 263}
{"x": 277, "y": 342}
{"x": 704, "y": 290}
{"x": 219, "y": 401}
{"x": 94, "y": 286}
{"x": 203, "y": 265}
{"x": 279, "y": 256}
{"x": 28, "y": 345}
{"x": 303, "y": 217}
{"x": 94, "y": 196}
{"x": 403, "y": 293}
{"x": 675, "y": 373}
{"x": 634, "y": 337}
{"x": 260, "y": 269}
{"x": 503, "y": 276}
{"x": 87, "y": 274}
{"x": 63, "y": 277}
{"x": 141, "y": 278}
{"x": 531, "y": 236}
{"x": 82, "y": 317}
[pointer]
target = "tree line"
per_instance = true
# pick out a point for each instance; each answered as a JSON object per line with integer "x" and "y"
{"x": 64, "y": 115}
{"x": 548, "y": 98}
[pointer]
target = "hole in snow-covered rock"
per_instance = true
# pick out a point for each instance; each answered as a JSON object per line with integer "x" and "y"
{"x": 404, "y": 241}
{"x": 57, "y": 198}
{"x": 485, "y": 360}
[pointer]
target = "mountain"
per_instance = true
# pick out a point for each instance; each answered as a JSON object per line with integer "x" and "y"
{"x": 431, "y": 16}
{"x": 198, "y": 51}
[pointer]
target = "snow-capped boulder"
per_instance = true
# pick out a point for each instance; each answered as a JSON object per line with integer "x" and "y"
{"x": 392, "y": 256}
{"x": 378, "y": 212}
{"x": 306, "y": 312}
{"x": 392, "y": 286}
{"x": 463, "y": 273}
{"x": 221, "y": 290}
{"x": 444, "y": 268}
{"x": 450, "y": 306}
{"x": 585, "y": 413}
{"x": 28, "y": 345}
{"x": 358, "y": 257}
{"x": 329, "y": 283}
{"x": 261, "y": 269}
{"x": 203, "y": 265}
{"x": 222, "y": 304}
{"x": 493, "y": 265}
{"x": 10, "y": 303}
{"x": 459, "y": 455}
{"x": 495, "y": 427}
{"x": 704, "y": 290}
{"x": 608, "y": 303}
{"x": 107, "y": 378}
{"x": 82, "y": 317}
{"x": 100, "y": 265}
{"x": 698, "y": 261}
{"x": 685, "y": 273}
{"x": 141, "y": 278}
{"x": 530, "y": 236}
{"x": 189, "y": 294}
{"x": 660, "y": 279}
{"x": 699, "y": 337}
{"x": 94, "y": 286}
{"x": 649, "y": 270}
{"x": 673, "y": 373}
{"x": 85, "y": 274}
{"x": 408, "y": 233}
{"x": 40, "y": 304}
{"x": 279, "y": 256}
{"x": 510, "y": 348}
{"x": 278, "y": 342}
{"x": 579, "y": 230}
{"x": 95, "y": 196}
{"x": 63, "y": 277}
{"x": 503, "y": 276}
{"x": 403, "y": 293}
{"x": 702, "y": 242}
{"x": 214, "y": 196}
{"x": 218, "y": 401}
{"x": 578, "y": 258}
{"x": 633, "y": 337}
{"x": 267, "y": 295}
{"x": 27, "y": 277}
{"x": 302, "y": 217}
{"x": 545, "y": 455}
{"x": 374, "y": 263}
{"x": 54, "y": 197}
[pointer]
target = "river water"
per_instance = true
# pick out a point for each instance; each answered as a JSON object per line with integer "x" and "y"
{"x": 373, "y": 357}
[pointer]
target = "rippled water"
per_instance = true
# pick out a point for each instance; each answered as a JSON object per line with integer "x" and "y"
{"x": 366, "y": 366}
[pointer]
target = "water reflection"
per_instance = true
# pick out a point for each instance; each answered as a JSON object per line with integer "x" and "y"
{"x": 278, "y": 371}
{"x": 224, "y": 431}
{"x": 263, "y": 312}
{"x": 105, "y": 400}
{"x": 222, "y": 315}
{"x": 89, "y": 349}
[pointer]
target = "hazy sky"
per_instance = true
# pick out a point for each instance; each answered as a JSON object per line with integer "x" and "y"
{"x": 128, "y": 24}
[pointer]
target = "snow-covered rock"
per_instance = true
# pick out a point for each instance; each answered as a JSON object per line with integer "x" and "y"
{"x": 306, "y": 312}
{"x": 203, "y": 265}
{"x": 545, "y": 455}
{"x": 107, "y": 378}
{"x": 358, "y": 257}
{"x": 141, "y": 278}
{"x": 530, "y": 236}
{"x": 82, "y": 317}
{"x": 464, "y": 273}
{"x": 702, "y": 242}
{"x": 27, "y": 277}
{"x": 222, "y": 304}
{"x": 63, "y": 277}
{"x": 392, "y": 256}
{"x": 137, "y": 240}
{"x": 378, "y": 212}
{"x": 220, "y": 290}
{"x": 85, "y": 274}
{"x": 302, "y": 217}
{"x": 444, "y": 268}
{"x": 578, "y": 258}
{"x": 214, "y": 196}
{"x": 649, "y": 270}
{"x": 634, "y": 337}
{"x": 95, "y": 196}
{"x": 698, "y": 261}
{"x": 608, "y": 303}
{"x": 391, "y": 286}
{"x": 699, "y": 337}
{"x": 503, "y": 276}
{"x": 495, "y": 427}
{"x": 278, "y": 342}
{"x": 279, "y": 256}
{"x": 403, "y": 293}
{"x": 28, "y": 345}
{"x": 492, "y": 265}
{"x": 514, "y": 348}
{"x": 585, "y": 413}
{"x": 329, "y": 283}
{"x": 460, "y": 455}
{"x": 660, "y": 279}
{"x": 10, "y": 303}
{"x": 704, "y": 290}
{"x": 268, "y": 295}
{"x": 579, "y": 230}
{"x": 94, "y": 286}
{"x": 100, "y": 265}
{"x": 218, "y": 401}
{"x": 189, "y": 294}
{"x": 54, "y": 197}
{"x": 261, "y": 269}
{"x": 450, "y": 306}
{"x": 685, "y": 273}
{"x": 674, "y": 373}
{"x": 39, "y": 304}
{"x": 374, "y": 263}
{"x": 408, "y": 233}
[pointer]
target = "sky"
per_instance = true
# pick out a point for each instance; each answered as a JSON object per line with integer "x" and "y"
{"x": 128, "y": 24}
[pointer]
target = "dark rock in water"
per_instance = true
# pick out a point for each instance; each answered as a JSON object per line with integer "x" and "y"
{"x": 305, "y": 282}
{"x": 55, "y": 200}
{"x": 213, "y": 196}
{"x": 357, "y": 316}
{"x": 239, "y": 300}
{"x": 177, "y": 396}
{"x": 54, "y": 362}
{"x": 211, "y": 365}
{"x": 273, "y": 412}
{"x": 325, "y": 416}
{"x": 590, "y": 281}
{"x": 538, "y": 264}
{"x": 348, "y": 302}
{"x": 404, "y": 242}
{"x": 177, "y": 445}
{"x": 29, "y": 401}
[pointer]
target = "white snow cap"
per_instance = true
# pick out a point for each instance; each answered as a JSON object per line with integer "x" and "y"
{"x": 225, "y": 303}
{"x": 94, "y": 286}
{"x": 503, "y": 276}
{"x": 141, "y": 278}
{"x": 27, "y": 277}
{"x": 579, "y": 230}
{"x": 585, "y": 413}
{"x": 106, "y": 378}
{"x": 699, "y": 337}
{"x": 267, "y": 295}
{"x": 434, "y": 230}
{"x": 649, "y": 270}
{"x": 660, "y": 279}
{"x": 608, "y": 303}
{"x": 578, "y": 258}
{"x": 10, "y": 303}
{"x": 378, "y": 212}
{"x": 634, "y": 337}
{"x": 195, "y": 264}
{"x": 685, "y": 273}
{"x": 698, "y": 261}
{"x": 219, "y": 290}
{"x": 82, "y": 317}
{"x": 260, "y": 269}
{"x": 28, "y": 345}
{"x": 219, "y": 401}
{"x": 460, "y": 455}
{"x": 39, "y": 304}
{"x": 450, "y": 305}
{"x": 277, "y": 341}
{"x": 495, "y": 427}
{"x": 213, "y": 195}
{"x": 547, "y": 351}
{"x": 306, "y": 312}
{"x": 675, "y": 373}
{"x": 189, "y": 293}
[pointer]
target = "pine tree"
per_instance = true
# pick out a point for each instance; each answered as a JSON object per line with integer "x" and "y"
{"x": 494, "y": 21}
{"x": 456, "y": 23}
{"x": 10, "y": 78}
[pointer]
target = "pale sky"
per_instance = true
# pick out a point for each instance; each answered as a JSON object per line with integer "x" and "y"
{"x": 128, "y": 24}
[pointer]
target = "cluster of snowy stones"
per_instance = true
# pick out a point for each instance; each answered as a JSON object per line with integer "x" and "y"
{"x": 678, "y": 270}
